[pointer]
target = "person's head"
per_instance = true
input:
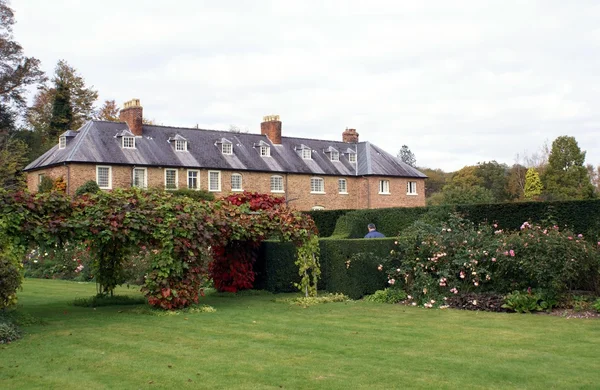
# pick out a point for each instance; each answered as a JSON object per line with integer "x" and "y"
{"x": 371, "y": 227}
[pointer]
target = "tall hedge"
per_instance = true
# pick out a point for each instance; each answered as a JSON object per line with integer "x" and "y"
{"x": 347, "y": 266}
{"x": 580, "y": 216}
{"x": 326, "y": 220}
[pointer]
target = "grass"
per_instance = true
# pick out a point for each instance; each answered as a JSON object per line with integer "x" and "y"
{"x": 253, "y": 342}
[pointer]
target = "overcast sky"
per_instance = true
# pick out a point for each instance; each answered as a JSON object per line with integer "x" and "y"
{"x": 459, "y": 82}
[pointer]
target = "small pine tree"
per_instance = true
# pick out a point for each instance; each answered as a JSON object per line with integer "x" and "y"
{"x": 533, "y": 184}
{"x": 407, "y": 156}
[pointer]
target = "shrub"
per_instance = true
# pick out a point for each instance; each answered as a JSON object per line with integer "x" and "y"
{"x": 10, "y": 281}
{"x": 46, "y": 184}
{"x": 89, "y": 187}
{"x": 526, "y": 302}
{"x": 9, "y": 332}
{"x": 326, "y": 220}
{"x": 194, "y": 194}
{"x": 72, "y": 261}
{"x": 388, "y": 295}
{"x": 310, "y": 301}
{"x": 596, "y": 305}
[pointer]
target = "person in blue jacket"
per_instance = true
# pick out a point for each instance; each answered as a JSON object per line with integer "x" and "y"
{"x": 373, "y": 233}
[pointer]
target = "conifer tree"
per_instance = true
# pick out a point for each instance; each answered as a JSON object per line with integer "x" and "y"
{"x": 533, "y": 184}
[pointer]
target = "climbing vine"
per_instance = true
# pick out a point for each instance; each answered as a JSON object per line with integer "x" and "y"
{"x": 308, "y": 267}
{"x": 187, "y": 240}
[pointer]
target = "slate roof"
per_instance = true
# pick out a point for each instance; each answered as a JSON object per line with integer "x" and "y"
{"x": 99, "y": 142}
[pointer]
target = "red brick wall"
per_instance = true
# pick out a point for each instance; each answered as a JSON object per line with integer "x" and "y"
{"x": 363, "y": 192}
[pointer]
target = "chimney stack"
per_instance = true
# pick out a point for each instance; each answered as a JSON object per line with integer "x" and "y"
{"x": 350, "y": 136}
{"x": 271, "y": 127}
{"x": 132, "y": 115}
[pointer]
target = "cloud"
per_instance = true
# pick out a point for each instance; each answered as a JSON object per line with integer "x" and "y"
{"x": 458, "y": 82}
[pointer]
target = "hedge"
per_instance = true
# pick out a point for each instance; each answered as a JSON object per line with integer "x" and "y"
{"x": 326, "y": 220}
{"x": 276, "y": 271}
{"x": 580, "y": 216}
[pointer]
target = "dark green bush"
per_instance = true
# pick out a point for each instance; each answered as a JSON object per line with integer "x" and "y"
{"x": 10, "y": 281}
{"x": 326, "y": 220}
{"x": 582, "y": 216}
{"x": 89, "y": 187}
{"x": 347, "y": 266}
{"x": 194, "y": 194}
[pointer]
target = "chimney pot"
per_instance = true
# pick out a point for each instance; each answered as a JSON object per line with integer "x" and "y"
{"x": 350, "y": 136}
{"x": 132, "y": 114}
{"x": 271, "y": 127}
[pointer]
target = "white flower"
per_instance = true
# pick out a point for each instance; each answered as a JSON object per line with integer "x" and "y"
{"x": 414, "y": 303}
{"x": 392, "y": 281}
{"x": 474, "y": 302}
{"x": 409, "y": 297}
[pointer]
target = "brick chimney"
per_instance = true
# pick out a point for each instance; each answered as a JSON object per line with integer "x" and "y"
{"x": 350, "y": 136}
{"x": 271, "y": 127}
{"x": 132, "y": 115}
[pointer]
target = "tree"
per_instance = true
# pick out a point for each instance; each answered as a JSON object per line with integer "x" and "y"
{"x": 453, "y": 194}
{"x": 12, "y": 152}
{"x": 407, "y": 156}
{"x": 17, "y": 72}
{"x": 66, "y": 105}
{"x": 466, "y": 177}
{"x": 109, "y": 111}
{"x": 515, "y": 186}
{"x": 436, "y": 180}
{"x": 533, "y": 184}
{"x": 565, "y": 176}
{"x": 494, "y": 177}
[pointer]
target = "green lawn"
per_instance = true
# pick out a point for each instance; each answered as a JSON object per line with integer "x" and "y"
{"x": 252, "y": 342}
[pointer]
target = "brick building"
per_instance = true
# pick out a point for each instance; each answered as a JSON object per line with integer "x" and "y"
{"x": 310, "y": 173}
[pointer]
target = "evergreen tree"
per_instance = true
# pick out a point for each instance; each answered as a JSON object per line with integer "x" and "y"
{"x": 407, "y": 156}
{"x": 565, "y": 176}
{"x": 533, "y": 184}
{"x": 62, "y": 114}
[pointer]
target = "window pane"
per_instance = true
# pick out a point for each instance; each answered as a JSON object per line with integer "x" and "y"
{"x": 236, "y": 182}
{"x": 352, "y": 157}
{"x": 335, "y": 156}
{"x": 139, "y": 178}
{"x": 277, "y": 183}
{"x": 214, "y": 181}
{"x": 265, "y": 151}
{"x": 193, "y": 180}
{"x": 171, "y": 179}
{"x": 306, "y": 154}
{"x": 128, "y": 142}
{"x": 62, "y": 142}
{"x": 227, "y": 148}
{"x": 317, "y": 185}
{"x": 180, "y": 145}
{"x": 384, "y": 186}
{"x": 103, "y": 177}
{"x": 342, "y": 185}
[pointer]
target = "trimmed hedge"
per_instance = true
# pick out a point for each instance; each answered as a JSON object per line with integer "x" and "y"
{"x": 276, "y": 271}
{"x": 326, "y": 220}
{"x": 580, "y": 216}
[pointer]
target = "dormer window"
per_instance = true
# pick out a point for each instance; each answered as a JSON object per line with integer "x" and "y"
{"x": 227, "y": 148}
{"x": 306, "y": 153}
{"x": 352, "y": 157}
{"x": 333, "y": 153}
{"x": 264, "y": 149}
{"x": 128, "y": 142}
{"x": 180, "y": 145}
{"x": 62, "y": 142}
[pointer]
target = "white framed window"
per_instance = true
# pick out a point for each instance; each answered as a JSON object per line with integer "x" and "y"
{"x": 265, "y": 151}
{"x": 276, "y": 184}
{"x": 104, "y": 177}
{"x": 62, "y": 142}
{"x": 171, "y": 179}
{"x": 411, "y": 188}
{"x": 180, "y": 145}
{"x": 193, "y": 179}
{"x": 140, "y": 177}
{"x": 384, "y": 186}
{"x": 128, "y": 142}
{"x": 227, "y": 148}
{"x": 317, "y": 185}
{"x": 214, "y": 181}
{"x": 307, "y": 154}
{"x": 317, "y": 208}
{"x": 352, "y": 157}
{"x": 342, "y": 186}
{"x": 335, "y": 155}
{"x": 236, "y": 182}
